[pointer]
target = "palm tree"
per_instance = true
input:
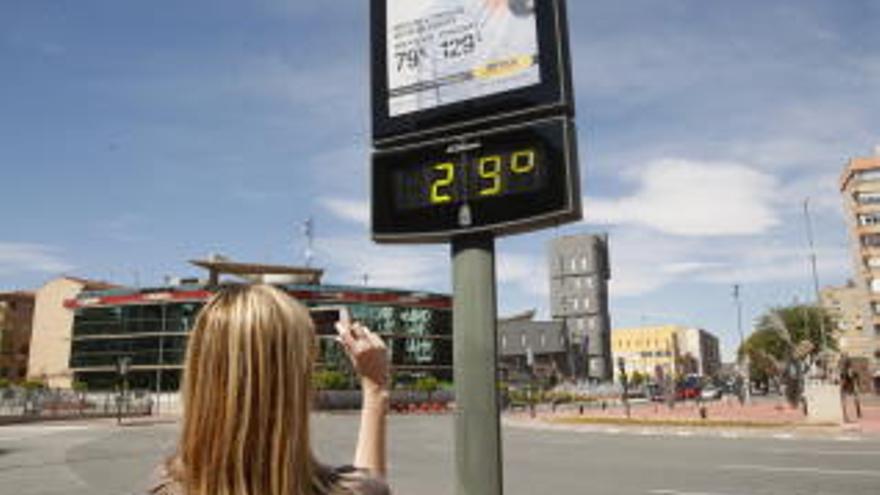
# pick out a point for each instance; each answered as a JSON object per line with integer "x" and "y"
{"x": 786, "y": 342}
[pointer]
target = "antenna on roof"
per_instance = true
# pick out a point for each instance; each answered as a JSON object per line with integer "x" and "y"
{"x": 308, "y": 229}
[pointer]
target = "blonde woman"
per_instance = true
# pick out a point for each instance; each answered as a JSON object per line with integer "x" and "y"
{"x": 247, "y": 397}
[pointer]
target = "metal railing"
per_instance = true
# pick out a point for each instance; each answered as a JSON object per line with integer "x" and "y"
{"x": 44, "y": 404}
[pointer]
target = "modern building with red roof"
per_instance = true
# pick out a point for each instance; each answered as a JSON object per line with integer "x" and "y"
{"x": 150, "y": 326}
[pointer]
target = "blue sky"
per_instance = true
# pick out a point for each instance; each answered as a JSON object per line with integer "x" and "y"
{"x": 137, "y": 135}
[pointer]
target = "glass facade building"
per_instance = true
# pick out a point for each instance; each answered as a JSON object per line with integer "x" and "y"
{"x": 151, "y": 327}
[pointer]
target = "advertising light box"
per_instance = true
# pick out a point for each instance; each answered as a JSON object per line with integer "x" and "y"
{"x": 446, "y": 66}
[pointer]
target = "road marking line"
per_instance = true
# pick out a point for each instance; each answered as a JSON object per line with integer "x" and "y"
{"x": 813, "y": 470}
{"x": 683, "y": 433}
{"x": 847, "y": 439}
{"x": 783, "y": 436}
{"x": 729, "y": 434}
{"x": 825, "y": 452}
{"x": 676, "y": 492}
{"x": 613, "y": 431}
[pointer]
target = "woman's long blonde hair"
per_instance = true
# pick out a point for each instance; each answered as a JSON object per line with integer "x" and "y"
{"x": 247, "y": 397}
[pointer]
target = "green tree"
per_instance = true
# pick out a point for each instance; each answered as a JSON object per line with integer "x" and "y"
{"x": 637, "y": 379}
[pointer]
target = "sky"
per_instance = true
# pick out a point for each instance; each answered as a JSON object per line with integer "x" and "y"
{"x": 135, "y": 136}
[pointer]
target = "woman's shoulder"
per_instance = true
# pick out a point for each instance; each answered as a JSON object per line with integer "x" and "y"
{"x": 162, "y": 482}
{"x": 358, "y": 481}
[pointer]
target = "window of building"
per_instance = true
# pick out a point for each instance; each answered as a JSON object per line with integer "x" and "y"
{"x": 868, "y": 175}
{"x": 543, "y": 340}
{"x": 580, "y": 323}
{"x": 871, "y": 240}
{"x": 577, "y": 304}
{"x": 593, "y": 323}
{"x": 522, "y": 340}
{"x": 504, "y": 341}
{"x": 869, "y": 219}
{"x": 874, "y": 261}
{"x": 589, "y": 281}
{"x": 866, "y": 198}
{"x": 875, "y": 285}
{"x": 586, "y": 303}
{"x": 574, "y": 266}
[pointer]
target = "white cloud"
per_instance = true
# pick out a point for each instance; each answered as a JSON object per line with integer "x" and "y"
{"x": 24, "y": 257}
{"x": 351, "y": 258}
{"x": 525, "y": 273}
{"x": 644, "y": 261}
{"x": 350, "y": 210}
{"x": 690, "y": 198}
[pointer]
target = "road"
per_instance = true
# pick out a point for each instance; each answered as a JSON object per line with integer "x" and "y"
{"x": 100, "y": 458}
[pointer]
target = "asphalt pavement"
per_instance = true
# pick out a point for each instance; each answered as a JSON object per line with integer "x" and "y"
{"x": 99, "y": 458}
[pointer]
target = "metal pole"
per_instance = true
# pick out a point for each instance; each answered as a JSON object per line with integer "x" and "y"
{"x": 746, "y": 370}
{"x": 815, "y": 272}
{"x": 474, "y": 315}
{"x": 159, "y": 365}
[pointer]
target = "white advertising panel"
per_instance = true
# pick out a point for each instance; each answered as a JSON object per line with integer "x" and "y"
{"x": 446, "y": 51}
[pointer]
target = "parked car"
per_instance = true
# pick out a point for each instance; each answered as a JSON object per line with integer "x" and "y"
{"x": 685, "y": 393}
{"x": 710, "y": 393}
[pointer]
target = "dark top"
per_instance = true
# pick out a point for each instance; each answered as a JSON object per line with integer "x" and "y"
{"x": 356, "y": 481}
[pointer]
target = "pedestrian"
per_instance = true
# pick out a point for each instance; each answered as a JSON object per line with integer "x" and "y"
{"x": 849, "y": 388}
{"x": 247, "y": 397}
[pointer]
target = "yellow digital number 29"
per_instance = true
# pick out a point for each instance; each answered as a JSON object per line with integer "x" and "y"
{"x": 436, "y": 196}
{"x": 490, "y": 168}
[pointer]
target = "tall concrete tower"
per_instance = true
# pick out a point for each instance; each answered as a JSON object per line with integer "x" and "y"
{"x": 579, "y": 274}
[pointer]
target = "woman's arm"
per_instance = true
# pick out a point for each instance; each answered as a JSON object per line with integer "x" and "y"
{"x": 371, "y": 447}
{"x": 370, "y": 358}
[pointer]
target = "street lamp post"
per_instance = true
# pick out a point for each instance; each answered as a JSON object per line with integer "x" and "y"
{"x": 159, "y": 364}
{"x": 818, "y": 294}
{"x": 745, "y": 365}
{"x": 624, "y": 380}
{"x": 122, "y": 365}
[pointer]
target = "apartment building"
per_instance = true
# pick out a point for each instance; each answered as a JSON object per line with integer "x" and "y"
{"x": 860, "y": 187}
{"x": 674, "y": 349}
{"x": 16, "y": 315}
{"x": 846, "y": 305}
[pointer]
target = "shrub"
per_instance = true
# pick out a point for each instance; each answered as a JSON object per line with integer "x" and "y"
{"x": 330, "y": 380}
{"x": 427, "y": 384}
{"x": 4, "y": 383}
{"x": 33, "y": 385}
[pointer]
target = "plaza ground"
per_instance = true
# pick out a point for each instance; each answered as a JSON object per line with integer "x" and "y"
{"x": 98, "y": 458}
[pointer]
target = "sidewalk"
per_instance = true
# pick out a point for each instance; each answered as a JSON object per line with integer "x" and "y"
{"x": 761, "y": 413}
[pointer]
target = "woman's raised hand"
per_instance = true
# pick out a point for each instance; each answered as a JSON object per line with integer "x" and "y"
{"x": 367, "y": 352}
